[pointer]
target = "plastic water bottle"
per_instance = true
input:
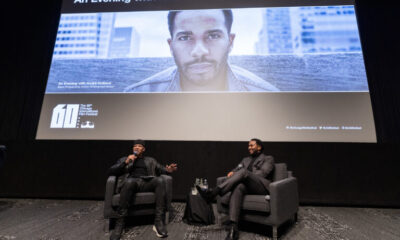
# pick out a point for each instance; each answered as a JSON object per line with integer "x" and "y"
{"x": 194, "y": 189}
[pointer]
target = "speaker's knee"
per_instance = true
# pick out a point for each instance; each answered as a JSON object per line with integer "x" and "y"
{"x": 243, "y": 173}
{"x": 131, "y": 183}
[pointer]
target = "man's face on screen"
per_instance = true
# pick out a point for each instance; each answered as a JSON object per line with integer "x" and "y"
{"x": 200, "y": 45}
{"x": 253, "y": 147}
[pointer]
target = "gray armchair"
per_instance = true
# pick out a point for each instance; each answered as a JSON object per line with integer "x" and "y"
{"x": 274, "y": 209}
{"x": 142, "y": 203}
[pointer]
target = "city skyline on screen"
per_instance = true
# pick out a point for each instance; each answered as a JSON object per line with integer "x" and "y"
{"x": 284, "y": 30}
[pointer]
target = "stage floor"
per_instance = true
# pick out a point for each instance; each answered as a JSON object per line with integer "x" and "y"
{"x": 77, "y": 219}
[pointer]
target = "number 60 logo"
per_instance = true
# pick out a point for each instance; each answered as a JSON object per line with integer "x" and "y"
{"x": 65, "y": 116}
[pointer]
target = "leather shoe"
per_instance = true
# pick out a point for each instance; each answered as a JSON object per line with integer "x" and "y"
{"x": 233, "y": 233}
{"x": 160, "y": 229}
{"x": 119, "y": 227}
{"x": 207, "y": 194}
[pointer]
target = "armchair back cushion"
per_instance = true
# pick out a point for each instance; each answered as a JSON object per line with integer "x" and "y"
{"x": 280, "y": 172}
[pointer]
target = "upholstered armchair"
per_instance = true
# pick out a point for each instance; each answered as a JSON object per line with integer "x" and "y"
{"x": 142, "y": 203}
{"x": 279, "y": 206}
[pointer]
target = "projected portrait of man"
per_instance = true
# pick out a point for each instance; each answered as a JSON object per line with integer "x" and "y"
{"x": 200, "y": 43}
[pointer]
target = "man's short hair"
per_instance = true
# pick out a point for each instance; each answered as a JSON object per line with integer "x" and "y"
{"x": 227, "y": 15}
{"x": 259, "y": 143}
{"x": 139, "y": 141}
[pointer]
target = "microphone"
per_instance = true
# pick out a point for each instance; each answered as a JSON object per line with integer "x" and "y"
{"x": 131, "y": 160}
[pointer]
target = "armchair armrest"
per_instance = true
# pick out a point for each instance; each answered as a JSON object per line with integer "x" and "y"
{"x": 284, "y": 199}
{"x": 110, "y": 189}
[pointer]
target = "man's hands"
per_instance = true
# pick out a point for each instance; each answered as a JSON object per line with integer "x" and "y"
{"x": 172, "y": 167}
{"x": 230, "y": 174}
{"x": 130, "y": 158}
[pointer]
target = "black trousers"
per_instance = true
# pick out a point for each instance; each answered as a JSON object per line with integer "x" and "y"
{"x": 241, "y": 183}
{"x": 135, "y": 185}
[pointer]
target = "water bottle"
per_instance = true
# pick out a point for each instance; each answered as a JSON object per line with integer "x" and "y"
{"x": 194, "y": 190}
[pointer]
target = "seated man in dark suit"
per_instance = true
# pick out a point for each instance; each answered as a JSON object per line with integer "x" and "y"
{"x": 251, "y": 176}
{"x": 140, "y": 174}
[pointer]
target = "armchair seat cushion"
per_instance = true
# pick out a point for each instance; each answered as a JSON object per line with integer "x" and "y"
{"x": 257, "y": 203}
{"x": 139, "y": 199}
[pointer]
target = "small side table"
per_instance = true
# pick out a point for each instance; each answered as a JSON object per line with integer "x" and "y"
{"x": 198, "y": 211}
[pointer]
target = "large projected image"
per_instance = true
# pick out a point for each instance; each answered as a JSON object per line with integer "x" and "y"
{"x": 238, "y": 50}
{"x": 208, "y": 71}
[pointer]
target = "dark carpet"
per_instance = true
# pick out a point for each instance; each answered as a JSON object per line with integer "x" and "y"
{"x": 77, "y": 219}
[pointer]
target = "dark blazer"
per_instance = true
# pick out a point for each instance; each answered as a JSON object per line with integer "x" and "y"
{"x": 262, "y": 167}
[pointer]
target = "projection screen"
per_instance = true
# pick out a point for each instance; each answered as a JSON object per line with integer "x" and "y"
{"x": 207, "y": 71}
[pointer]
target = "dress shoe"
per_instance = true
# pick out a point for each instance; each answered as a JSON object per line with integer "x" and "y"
{"x": 160, "y": 229}
{"x": 233, "y": 233}
{"x": 207, "y": 194}
{"x": 119, "y": 227}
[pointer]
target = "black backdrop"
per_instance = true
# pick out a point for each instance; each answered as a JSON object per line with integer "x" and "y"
{"x": 328, "y": 173}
